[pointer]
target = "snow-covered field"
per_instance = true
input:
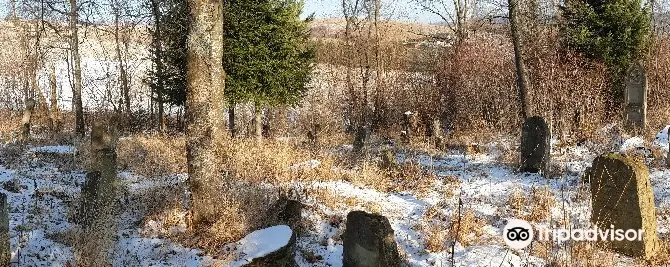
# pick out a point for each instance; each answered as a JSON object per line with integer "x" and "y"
{"x": 41, "y": 192}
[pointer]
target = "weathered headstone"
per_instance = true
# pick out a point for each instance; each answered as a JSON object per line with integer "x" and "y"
{"x": 97, "y": 199}
{"x": 5, "y": 253}
{"x": 369, "y": 241}
{"x": 278, "y": 256}
{"x": 27, "y": 118}
{"x": 636, "y": 97}
{"x": 313, "y": 134}
{"x": 359, "y": 141}
{"x": 388, "y": 160}
{"x": 409, "y": 126}
{"x": 622, "y": 197}
{"x": 535, "y": 145}
{"x": 287, "y": 211}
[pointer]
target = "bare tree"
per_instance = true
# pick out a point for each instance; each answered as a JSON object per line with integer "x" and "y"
{"x": 123, "y": 76}
{"x": 455, "y": 14}
{"x": 204, "y": 99}
{"x": 521, "y": 71}
{"x": 55, "y": 113}
{"x": 351, "y": 9}
{"x": 159, "y": 65}
{"x": 76, "y": 60}
{"x": 13, "y": 15}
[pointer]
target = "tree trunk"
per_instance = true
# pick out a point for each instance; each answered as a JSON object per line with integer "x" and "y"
{"x": 13, "y": 7}
{"x": 231, "y": 119}
{"x": 159, "y": 65}
{"x": 54, "y": 114}
{"x": 352, "y": 112}
{"x": 123, "y": 78}
{"x": 379, "y": 69}
{"x": 521, "y": 71}
{"x": 126, "y": 80}
{"x": 204, "y": 101}
{"x": 76, "y": 58}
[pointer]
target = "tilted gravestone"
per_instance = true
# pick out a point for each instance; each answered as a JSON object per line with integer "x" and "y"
{"x": 636, "y": 97}
{"x": 98, "y": 196}
{"x": 622, "y": 197}
{"x": 535, "y": 145}
{"x": 5, "y": 254}
{"x": 369, "y": 241}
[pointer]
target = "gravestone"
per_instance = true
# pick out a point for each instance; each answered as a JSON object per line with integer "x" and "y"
{"x": 283, "y": 256}
{"x": 361, "y": 135}
{"x": 535, "y": 146}
{"x": 636, "y": 97}
{"x": 313, "y": 134}
{"x": 409, "y": 126}
{"x": 622, "y": 197}
{"x": 5, "y": 254}
{"x": 369, "y": 241}
{"x": 97, "y": 200}
{"x": 27, "y": 118}
{"x": 388, "y": 160}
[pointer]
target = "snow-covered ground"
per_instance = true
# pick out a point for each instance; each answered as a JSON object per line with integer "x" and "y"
{"x": 39, "y": 214}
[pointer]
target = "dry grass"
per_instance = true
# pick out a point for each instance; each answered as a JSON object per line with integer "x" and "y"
{"x": 439, "y": 230}
{"x": 580, "y": 254}
{"x": 152, "y": 156}
{"x": 535, "y": 207}
{"x": 10, "y": 122}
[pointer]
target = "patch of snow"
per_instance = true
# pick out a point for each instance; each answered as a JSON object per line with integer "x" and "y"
{"x": 263, "y": 242}
{"x": 306, "y": 165}
{"x": 661, "y": 140}
{"x": 54, "y": 149}
{"x": 491, "y": 256}
{"x": 632, "y": 143}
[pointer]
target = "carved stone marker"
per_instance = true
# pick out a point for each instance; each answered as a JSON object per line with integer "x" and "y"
{"x": 279, "y": 251}
{"x": 5, "y": 253}
{"x": 313, "y": 134}
{"x": 409, "y": 126}
{"x": 369, "y": 241}
{"x": 636, "y": 97}
{"x": 535, "y": 146}
{"x": 359, "y": 141}
{"x": 622, "y": 197}
{"x": 97, "y": 200}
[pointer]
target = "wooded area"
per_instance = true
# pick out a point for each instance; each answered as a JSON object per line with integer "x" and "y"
{"x": 248, "y": 133}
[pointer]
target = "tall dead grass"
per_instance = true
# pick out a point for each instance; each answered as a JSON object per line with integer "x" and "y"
{"x": 478, "y": 81}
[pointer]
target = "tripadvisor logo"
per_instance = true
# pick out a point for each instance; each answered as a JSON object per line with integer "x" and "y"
{"x": 518, "y": 234}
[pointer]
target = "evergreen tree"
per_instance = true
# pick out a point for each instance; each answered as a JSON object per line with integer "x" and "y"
{"x": 615, "y": 32}
{"x": 170, "y": 83}
{"x": 267, "y": 54}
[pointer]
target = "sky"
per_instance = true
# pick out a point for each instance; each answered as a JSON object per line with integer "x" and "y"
{"x": 403, "y": 10}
